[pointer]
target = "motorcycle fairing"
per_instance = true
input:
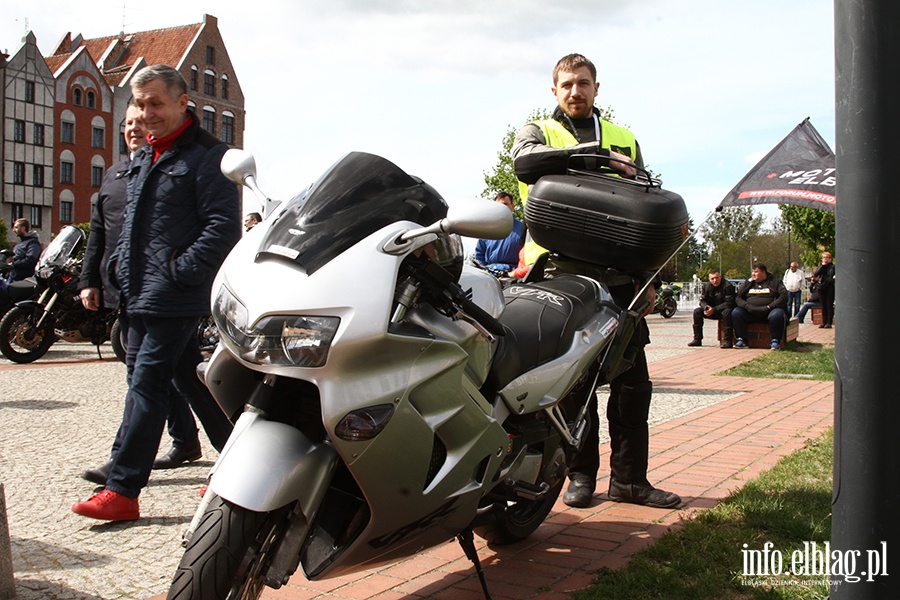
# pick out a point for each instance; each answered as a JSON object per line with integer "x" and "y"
{"x": 358, "y": 195}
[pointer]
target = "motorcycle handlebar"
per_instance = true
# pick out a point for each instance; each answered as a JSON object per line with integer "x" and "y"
{"x": 482, "y": 316}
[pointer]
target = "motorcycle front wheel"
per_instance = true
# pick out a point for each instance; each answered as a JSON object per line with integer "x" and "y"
{"x": 21, "y": 341}
{"x": 228, "y": 554}
{"x": 669, "y": 308}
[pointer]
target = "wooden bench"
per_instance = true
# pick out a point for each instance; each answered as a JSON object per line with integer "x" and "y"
{"x": 759, "y": 333}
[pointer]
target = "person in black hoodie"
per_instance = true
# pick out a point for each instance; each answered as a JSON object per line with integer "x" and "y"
{"x": 761, "y": 298}
{"x": 27, "y": 251}
{"x": 716, "y": 302}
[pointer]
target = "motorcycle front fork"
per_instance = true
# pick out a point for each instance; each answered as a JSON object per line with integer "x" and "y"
{"x": 46, "y": 308}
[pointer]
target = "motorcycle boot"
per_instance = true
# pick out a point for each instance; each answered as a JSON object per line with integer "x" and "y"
{"x": 580, "y": 491}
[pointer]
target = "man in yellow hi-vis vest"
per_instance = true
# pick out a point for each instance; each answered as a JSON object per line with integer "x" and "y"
{"x": 543, "y": 148}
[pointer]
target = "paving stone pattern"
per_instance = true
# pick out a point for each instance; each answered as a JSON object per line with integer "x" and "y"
{"x": 58, "y": 416}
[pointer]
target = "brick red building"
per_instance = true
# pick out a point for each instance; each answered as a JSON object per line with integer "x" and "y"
{"x": 197, "y": 51}
{"x": 83, "y": 144}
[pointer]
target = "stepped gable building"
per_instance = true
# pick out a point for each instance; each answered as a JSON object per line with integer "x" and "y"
{"x": 197, "y": 51}
{"x": 26, "y": 139}
{"x": 83, "y": 148}
{"x": 63, "y": 114}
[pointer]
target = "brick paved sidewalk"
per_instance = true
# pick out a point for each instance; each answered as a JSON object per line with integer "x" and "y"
{"x": 702, "y": 456}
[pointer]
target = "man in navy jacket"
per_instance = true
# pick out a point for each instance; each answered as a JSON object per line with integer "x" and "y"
{"x": 181, "y": 219}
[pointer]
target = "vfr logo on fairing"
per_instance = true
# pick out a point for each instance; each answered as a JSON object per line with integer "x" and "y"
{"x": 538, "y": 294}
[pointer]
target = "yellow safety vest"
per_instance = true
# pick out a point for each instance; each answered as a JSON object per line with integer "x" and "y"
{"x": 612, "y": 137}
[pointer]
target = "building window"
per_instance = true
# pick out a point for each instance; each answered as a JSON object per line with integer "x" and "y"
{"x": 97, "y": 137}
{"x": 91, "y": 100}
{"x": 209, "y": 121}
{"x": 19, "y": 131}
{"x": 193, "y": 78}
{"x": 67, "y": 135}
{"x": 37, "y": 176}
{"x": 210, "y": 55}
{"x": 18, "y": 173}
{"x": 209, "y": 84}
{"x": 35, "y": 220}
{"x": 38, "y": 134}
{"x": 66, "y": 170}
{"x": 29, "y": 91}
{"x": 228, "y": 129}
{"x": 17, "y": 212}
{"x": 76, "y": 97}
{"x": 123, "y": 147}
{"x": 224, "y": 87}
{"x": 96, "y": 176}
{"x": 65, "y": 212}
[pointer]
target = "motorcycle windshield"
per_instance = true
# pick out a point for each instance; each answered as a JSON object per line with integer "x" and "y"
{"x": 357, "y": 196}
{"x": 64, "y": 246}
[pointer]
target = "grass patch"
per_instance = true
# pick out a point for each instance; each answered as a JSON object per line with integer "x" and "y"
{"x": 787, "y": 505}
{"x": 798, "y": 360}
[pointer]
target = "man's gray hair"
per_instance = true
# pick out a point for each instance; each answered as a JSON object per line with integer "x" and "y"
{"x": 171, "y": 78}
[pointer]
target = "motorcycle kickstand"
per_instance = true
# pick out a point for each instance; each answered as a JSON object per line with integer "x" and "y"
{"x": 466, "y": 539}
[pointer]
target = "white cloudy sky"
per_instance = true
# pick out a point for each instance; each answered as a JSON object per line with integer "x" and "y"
{"x": 708, "y": 86}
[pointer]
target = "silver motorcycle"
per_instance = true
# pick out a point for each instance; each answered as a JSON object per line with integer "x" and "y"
{"x": 387, "y": 397}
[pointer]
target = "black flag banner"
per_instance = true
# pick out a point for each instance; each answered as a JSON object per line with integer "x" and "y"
{"x": 799, "y": 170}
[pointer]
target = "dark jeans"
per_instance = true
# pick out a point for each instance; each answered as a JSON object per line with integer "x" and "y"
{"x": 805, "y": 308}
{"x": 182, "y": 427}
{"x": 826, "y": 294}
{"x": 162, "y": 344}
{"x": 776, "y": 318}
{"x": 725, "y": 317}
{"x": 793, "y": 306}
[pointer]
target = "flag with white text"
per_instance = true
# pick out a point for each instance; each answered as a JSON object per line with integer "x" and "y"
{"x": 799, "y": 170}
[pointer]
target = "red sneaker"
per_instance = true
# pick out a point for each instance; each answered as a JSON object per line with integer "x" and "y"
{"x": 108, "y": 506}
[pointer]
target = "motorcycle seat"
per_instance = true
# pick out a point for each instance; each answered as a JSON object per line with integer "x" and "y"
{"x": 540, "y": 321}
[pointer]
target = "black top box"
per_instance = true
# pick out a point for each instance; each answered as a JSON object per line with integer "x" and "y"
{"x": 606, "y": 221}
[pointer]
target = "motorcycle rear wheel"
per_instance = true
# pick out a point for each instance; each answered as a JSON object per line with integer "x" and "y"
{"x": 22, "y": 342}
{"x": 514, "y": 521}
{"x": 228, "y": 554}
{"x": 669, "y": 308}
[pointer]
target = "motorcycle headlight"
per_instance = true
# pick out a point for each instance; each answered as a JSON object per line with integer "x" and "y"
{"x": 291, "y": 340}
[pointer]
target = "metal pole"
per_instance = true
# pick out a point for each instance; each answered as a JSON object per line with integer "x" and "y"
{"x": 866, "y": 522}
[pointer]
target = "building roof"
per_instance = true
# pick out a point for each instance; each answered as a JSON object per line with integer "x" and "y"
{"x": 118, "y": 54}
{"x": 56, "y": 61}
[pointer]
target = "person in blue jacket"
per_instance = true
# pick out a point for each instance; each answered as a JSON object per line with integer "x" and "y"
{"x": 182, "y": 217}
{"x": 502, "y": 255}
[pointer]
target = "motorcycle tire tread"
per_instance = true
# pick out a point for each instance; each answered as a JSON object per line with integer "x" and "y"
{"x": 13, "y": 353}
{"x": 208, "y": 569}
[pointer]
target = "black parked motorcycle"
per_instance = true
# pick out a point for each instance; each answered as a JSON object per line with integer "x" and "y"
{"x": 17, "y": 290}
{"x": 667, "y": 300}
{"x": 30, "y": 327}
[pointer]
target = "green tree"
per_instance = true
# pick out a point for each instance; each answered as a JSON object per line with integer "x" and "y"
{"x": 689, "y": 260}
{"x": 736, "y": 224}
{"x": 502, "y": 177}
{"x": 4, "y": 232}
{"x": 813, "y": 227}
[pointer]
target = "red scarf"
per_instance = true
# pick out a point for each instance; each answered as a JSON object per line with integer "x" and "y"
{"x": 162, "y": 144}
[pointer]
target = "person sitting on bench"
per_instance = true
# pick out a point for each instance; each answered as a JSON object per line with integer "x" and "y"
{"x": 761, "y": 298}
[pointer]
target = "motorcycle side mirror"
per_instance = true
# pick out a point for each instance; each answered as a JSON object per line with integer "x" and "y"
{"x": 239, "y": 166}
{"x": 471, "y": 218}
